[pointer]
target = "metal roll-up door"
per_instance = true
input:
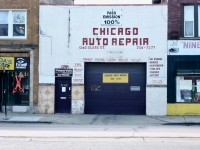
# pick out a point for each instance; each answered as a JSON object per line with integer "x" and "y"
{"x": 104, "y": 94}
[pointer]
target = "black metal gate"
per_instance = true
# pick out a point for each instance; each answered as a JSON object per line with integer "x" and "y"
{"x": 110, "y": 97}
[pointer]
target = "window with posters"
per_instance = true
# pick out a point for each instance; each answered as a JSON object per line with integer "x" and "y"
{"x": 16, "y": 80}
{"x": 188, "y": 86}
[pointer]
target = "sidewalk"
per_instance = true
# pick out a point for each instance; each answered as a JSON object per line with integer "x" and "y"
{"x": 86, "y": 119}
{"x": 98, "y": 126}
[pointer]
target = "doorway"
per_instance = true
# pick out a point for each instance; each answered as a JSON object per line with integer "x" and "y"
{"x": 1, "y": 91}
{"x": 62, "y": 95}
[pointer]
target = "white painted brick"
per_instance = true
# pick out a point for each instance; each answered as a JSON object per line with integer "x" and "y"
{"x": 156, "y": 101}
{"x": 60, "y": 41}
{"x": 21, "y": 109}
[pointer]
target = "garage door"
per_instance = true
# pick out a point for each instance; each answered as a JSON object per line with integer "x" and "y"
{"x": 115, "y": 88}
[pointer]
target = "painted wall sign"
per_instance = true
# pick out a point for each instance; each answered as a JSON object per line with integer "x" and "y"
{"x": 112, "y": 37}
{"x": 156, "y": 68}
{"x": 111, "y": 17}
{"x": 184, "y": 47}
{"x": 115, "y": 77}
{"x": 21, "y": 63}
{"x": 8, "y": 63}
{"x": 61, "y": 72}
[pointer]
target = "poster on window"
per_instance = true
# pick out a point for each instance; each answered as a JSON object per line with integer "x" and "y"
{"x": 186, "y": 94}
{"x": 198, "y": 85}
{"x": 6, "y": 63}
{"x": 21, "y": 63}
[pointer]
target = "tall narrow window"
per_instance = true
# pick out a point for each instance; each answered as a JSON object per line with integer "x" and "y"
{"x": 189, "y": 21}
{"x": 199, "y": 20}
{"x": 18, "y": 23}
{"x": 3, "y": 23}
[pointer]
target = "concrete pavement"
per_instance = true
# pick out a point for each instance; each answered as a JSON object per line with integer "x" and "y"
{"x": 98, "y": 126}
{"x": 86, "y": 119}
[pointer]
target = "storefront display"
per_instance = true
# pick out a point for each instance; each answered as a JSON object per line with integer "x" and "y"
{"x": 186, "y": 88}
{"x": 18, "y": 88}
{"x": 16, "y": 80}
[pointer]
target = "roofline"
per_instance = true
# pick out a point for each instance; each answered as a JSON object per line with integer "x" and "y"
{"x": 102, "y": 4}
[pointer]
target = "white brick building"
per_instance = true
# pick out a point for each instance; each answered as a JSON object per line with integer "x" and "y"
{"x": 118, "y": 56}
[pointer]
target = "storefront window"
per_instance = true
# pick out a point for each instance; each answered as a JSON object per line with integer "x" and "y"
{"x": 188, "y": 89}
{"x": 17, "y": 84}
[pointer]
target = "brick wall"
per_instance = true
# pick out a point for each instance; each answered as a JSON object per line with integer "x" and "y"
{"x": 57, "y": 2}
{"x": 61, "y": 44}
{"x": 32, "y": 7}
{"x": 175, "y": 15}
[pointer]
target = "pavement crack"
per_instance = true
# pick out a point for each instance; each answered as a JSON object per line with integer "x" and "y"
{"x": 184, "y": 118}
{"x": 158, "y": 119}
{"x": 94, "y": 119}
{"x": 114, "y": 119}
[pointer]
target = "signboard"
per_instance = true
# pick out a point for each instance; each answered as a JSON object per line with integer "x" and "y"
{"x": 21, "y": 63}
{"x": 111, "y": 17}
{"x": 61, "y": 72}
{"x": 156, "y": 68}
{"x": 183, "y": 47}
{"x": 8, "y": 63}
{"x": 115, "y": 77}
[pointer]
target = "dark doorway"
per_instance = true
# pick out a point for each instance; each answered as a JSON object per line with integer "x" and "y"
{"x": 62, "y": 95}
{"x": 1, "y": 91}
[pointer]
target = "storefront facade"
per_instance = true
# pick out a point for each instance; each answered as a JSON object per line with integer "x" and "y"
{"x": 19, "y": 56}
{"x": 184, "y": 70}
{"x": 103, "y": 59}
{"x": 183, "y": 58}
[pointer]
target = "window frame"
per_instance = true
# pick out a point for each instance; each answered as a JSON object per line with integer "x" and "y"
{"x": 11, "y": 24}
{"x": 196, "y": 24}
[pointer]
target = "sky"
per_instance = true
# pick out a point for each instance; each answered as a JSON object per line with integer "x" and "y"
{"x": 112, "y": 1}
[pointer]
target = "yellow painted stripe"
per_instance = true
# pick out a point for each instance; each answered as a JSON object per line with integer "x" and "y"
{"x": 183, "y": 109}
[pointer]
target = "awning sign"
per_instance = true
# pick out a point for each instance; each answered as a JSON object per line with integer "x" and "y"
{"x": 115, "y": 77}
{"x": 7, "y": 62}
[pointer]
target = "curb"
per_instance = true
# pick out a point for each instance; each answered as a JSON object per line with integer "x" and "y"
{"x": 45, "y": 122}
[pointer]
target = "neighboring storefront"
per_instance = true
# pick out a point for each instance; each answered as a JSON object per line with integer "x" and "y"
{"x": 103, "y": 59}
{"x": 15, "y": 79}
{"x": 184, "y": 72}
{"x": 19, "y": 56}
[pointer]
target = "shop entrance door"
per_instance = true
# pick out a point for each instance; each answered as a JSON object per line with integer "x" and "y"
{"x": 1, "y": 91}
{"x": 62, "y": 95}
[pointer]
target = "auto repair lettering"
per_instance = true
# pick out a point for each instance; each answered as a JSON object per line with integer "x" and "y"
{"x": 130, "y": 37}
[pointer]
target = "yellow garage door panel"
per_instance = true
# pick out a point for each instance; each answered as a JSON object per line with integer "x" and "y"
{"x": 183, "y": 109}
{"x": 115, "y": 77}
